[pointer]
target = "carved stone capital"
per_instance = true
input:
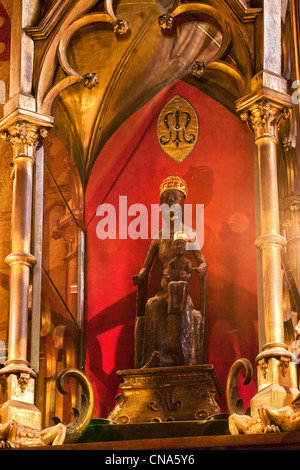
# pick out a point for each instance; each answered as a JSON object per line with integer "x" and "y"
{"x": 264, "y": 119}
{"x": 24, "y": 137}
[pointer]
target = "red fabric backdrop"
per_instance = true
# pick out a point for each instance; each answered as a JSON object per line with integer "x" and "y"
{"x": 133, "y": 164}
{"x": 5, "y": 33}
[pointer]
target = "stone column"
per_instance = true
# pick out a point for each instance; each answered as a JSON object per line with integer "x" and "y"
{"x": 18, "y": 379}
{"x": 277, "y": 378}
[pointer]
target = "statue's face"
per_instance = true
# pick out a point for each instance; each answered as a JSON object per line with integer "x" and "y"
{"x": 172, "y": 203}
{"x": 179, "y": 247}
{"x": 172, "y": 196}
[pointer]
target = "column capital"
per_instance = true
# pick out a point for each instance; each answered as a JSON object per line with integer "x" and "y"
{"x": 262, "y": 110}
{"x": 25, "y": 133}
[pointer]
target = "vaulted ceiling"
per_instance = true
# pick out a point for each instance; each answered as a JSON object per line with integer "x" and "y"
{"x": 214, "y": 37}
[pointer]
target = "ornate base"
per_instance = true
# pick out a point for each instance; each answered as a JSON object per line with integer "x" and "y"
{"x": 275, "y": 396}
{"x": 17, "y": 400}
{"x": 182, "y": 393}
{"x": 277, "y": 384}
{"x": 25, "y": 414}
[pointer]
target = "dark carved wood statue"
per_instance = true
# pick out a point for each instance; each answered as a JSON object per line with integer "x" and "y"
{"x": 170, "y": 381}
{"x": 169, "y": 331}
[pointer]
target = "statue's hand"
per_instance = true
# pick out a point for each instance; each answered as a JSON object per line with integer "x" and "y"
{"x": 184, "y": 276}
{"x": 140, "y": 278}
{"x": 137, "y": 280}
{"x": 201, "y": 270}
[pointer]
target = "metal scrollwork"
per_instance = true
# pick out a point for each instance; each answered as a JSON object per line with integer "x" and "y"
{"x": 234, "y": 404}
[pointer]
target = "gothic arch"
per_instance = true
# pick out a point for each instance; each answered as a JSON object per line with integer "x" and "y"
{"x": 96, "y": 104}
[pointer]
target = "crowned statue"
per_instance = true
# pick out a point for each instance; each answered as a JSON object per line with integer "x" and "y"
{"x": 169, "y": 331}
{"x": 170, "y": 381}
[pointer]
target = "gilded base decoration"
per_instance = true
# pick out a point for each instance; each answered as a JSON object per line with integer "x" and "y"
{"x": 276, "y": 406}
{"x": 267, "y": 419}
{"x": 181, "y": 393}
{"x": 21, "y": 420}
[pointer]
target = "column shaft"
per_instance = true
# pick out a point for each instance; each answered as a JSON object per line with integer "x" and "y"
{"x": 270, "y": 242}
{"x": 24, "y": 139}
{"x": 20, "y": 260}
{"x": 276, "y": 372}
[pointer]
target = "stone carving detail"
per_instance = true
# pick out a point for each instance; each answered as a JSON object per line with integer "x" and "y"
{"x": 90, "y": 80}
{"x": 165, "y": 399}
{"x": 23, "y": 382}
{"x": 264, "y": 119}
{"x": 198, "y": 69}
{"x": 3, "y": 384}
{"x": 166, "y": 21}
{"x": 23, "y": 133}
{"x": 14, "y": 434}
{"x": 264, "y": 368}
{"x": 120, "y": 26}
{"x": 268, "y": 419}
{"x": 182, "y": 393}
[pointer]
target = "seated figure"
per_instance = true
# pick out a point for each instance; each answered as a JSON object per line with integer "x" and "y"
{"x": 179, "y": 273}
{"x": 180, "y": 268}
{"x": 169, "y": 331}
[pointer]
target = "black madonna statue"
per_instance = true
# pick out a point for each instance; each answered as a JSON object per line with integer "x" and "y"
{"x": 169, "y": 381}
{"x": 169, "y": 331}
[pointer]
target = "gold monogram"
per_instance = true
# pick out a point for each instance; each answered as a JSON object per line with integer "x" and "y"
{"x": 177, "y": 128}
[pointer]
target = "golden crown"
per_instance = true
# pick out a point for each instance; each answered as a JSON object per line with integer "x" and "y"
{"x": 173, "y": 182}
{"x": 181, "y": 236}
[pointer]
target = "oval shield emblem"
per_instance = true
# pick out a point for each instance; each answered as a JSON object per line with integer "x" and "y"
{"x": 178, "y": 128}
